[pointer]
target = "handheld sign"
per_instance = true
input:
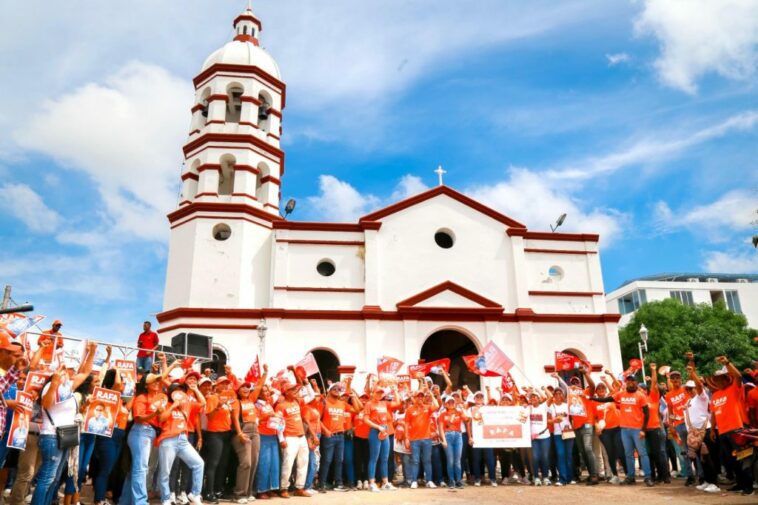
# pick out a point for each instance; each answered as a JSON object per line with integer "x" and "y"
{"x": 128, "y": 371}
{"x": 19, "y": 428}
{"x": 102, "y": 412}
{"x": 35, "y": 381}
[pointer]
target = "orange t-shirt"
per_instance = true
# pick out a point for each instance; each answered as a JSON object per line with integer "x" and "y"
{"x": 175, "y": 425}
{"x": 581, "y": 408}
{"x": 312, "y": 416}
{"x": 220, "y": 409}
{"x": 347, "y": 420}
{"x": 609, "y": 413}
{"x": 379, "y": 413}
{"x": 417, "y": 422}
{"x": 293, "y": 421}
{"x": 333, "y": 415}
{"x": 677, "y": 399}
{"x": 361, "y": 428}
{"x": 726, "y": 405}
{"x": 122, "y": 417}
{"x": 654, "y": 421}
{"x": 248, "y": 412}
{"x": 49, "y": 336}
{"x": 144, "y": 405}
{"x": 451, "y": 420}
{"x": 630, "y": 409}
{"x": 752, "y": 403}
{"x": 265, "y": 411}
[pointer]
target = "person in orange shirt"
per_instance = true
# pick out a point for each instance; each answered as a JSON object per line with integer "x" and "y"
{"x": 333, "y": 432}
{"x": 220, "y": 408}
{"x": 53, "y": 336}
{"x": 450, "y": 426}
{"x": 634, "y": 414}
{"x": 727, "y": 415}
{"x": 418, "y": 435}
{"x": 360, "y": 447}
{"x": 582, "y": 413}
{"x": 655, "y": 437}
{"x": 752, "y": 407}
{"x": 247, "y": 442}
{"x": 378, "y": 416}
{"x": 294, "y": 445}
{"x": 173, "y": 441}
{"x": 608, "y": 430}
{"x": 269, "y": 425}
{"x": 676, "y": 400}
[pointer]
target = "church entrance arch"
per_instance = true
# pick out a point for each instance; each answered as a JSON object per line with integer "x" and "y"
{"x": 454, "y": 345}
{"x": 327, "y": 362}
{"x": 566, "y": 375}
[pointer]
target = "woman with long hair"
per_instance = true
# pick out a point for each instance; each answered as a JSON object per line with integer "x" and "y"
{"x": 247, "y": 442}
{"x": 270, "y": 425}
{"x": 379, "y": 418}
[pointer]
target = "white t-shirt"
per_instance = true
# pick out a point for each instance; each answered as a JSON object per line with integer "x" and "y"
{"x": 697, "y": 411}
{"x": 560, "y": 410}
{"x": 63, "y": 412}
{"x": 538, "y": 419}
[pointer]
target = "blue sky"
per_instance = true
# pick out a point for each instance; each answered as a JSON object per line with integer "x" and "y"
{"x": 638, "y": 119}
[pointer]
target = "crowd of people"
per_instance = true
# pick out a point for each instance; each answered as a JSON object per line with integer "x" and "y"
{"x": 193, "y": 436}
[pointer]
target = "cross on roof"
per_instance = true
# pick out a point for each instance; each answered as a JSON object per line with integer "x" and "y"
{"x": 440, "y": 172}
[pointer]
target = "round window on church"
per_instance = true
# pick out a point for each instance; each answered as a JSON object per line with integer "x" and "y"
{"x": 222, "y": 232}
{"x": 555, "y": 273}
{"x": 325, "y": 268}
{"x": 444, "y": 238}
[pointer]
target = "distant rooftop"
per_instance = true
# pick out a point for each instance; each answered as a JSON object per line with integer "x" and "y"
{"x": 684, "y": 277}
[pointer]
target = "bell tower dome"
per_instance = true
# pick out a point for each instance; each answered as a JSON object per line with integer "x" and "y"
{"x": 232, "y": 154}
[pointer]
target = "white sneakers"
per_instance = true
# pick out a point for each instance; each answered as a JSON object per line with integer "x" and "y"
{"x": 431, "y": 485}
{"x": 182, "y": 499}
{"x": 241, "y": 501}
{"x": 194, "y": 499}
{"x": 493, "y": 483}
{"x": 537, "y": 482}
{"x": 374, "y": 488}
{"x": 708, "y": 488}
{"x": 414, "y": 485}
{"x": 546, "y": 482}
{"x": 615, "y": 480}
{"x": 359, "y": 486}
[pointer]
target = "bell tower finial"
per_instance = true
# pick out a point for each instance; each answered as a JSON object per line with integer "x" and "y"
{"x": 247, "y": 26}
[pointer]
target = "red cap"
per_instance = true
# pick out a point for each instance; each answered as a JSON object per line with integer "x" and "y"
{"x": 192, "y": 373}
{"x": 6, "y": 341}
{"x": 57, "y": 321}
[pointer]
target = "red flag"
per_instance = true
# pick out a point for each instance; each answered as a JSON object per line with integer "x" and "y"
{"x": 565, "y": 362}
{"x": 254, "y": 373}
{"x": 187, "y": 362}
{"x": 634, "y": 365}
{"x": 495, "y": 359}
{"x": 388, "y": 365}
{"x": 471, "y": 365}
{"x": 309, "y": 364}
{"x": 427, "y": 368}
{"x": 507, "y": 384}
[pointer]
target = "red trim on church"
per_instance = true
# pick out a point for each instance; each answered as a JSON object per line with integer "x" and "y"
{"x": 448, "y": 286}
{"x": 557, "y": 251}
{"x": 562, "y": 237}
{"x": 236, "y": 138}
{"x": 323, "y": 242}
{"x": 242, "y": 69}
{"x": 319, "y": 290}
{"x": 336, "y": 227}
{"x": 221, "y": 207}
{"x": 565, "y": 293}
{"x": 209, "y": 327}
{"x": 441, "y": 190}
{"x": 189, "y": 175}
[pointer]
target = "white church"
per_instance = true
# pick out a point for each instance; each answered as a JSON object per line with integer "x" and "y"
{"x": 436, "y": 275}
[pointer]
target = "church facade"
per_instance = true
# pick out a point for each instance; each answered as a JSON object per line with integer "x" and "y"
{"x": 436, "y": 275}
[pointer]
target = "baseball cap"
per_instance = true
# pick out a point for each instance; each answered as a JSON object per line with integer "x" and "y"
{"x": 5, "y": 341}
{"x": 675, "y": 372}
{"x": 204, "y": 380}
{"x": 244, "y": 385}
{"x": 721, "y": 371}
{"x": 221, "y": 379}
{"x": 152, "y": 377}
{"x": 336, "y": 385}
{"x": 192, "y": 373}
{"x": 690, "y": 384}
{"x": 57, "y": 321}
{"x": 630, "y": 377}
{"x": 289, "y": 385}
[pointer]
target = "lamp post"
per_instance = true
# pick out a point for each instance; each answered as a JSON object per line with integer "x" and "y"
{"x": 642, "y": 345}
{"x": 262, "y": 329}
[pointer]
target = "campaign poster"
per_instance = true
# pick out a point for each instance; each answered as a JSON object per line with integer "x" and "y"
{"x": 20, "y": 423}
{"x": 35, "y": 381}
{"x": 102, "y": 412}
{"x": 501, "y": 427}
{"x": 128, "y": 371}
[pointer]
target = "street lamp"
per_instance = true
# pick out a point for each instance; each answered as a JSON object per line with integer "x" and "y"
{"x": 262, "y": 329}
{"x": 642, "y": 345}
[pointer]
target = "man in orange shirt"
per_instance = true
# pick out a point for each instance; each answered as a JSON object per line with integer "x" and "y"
{"x": 728, "y": 416}
{"x": 582, "y": 413}
{"x": 220, "y": 407}
{"x": 294, "y": 445}
{"x": 676, "y": 400}
{"x": 418, "y": 435}
{"x": 333, "y": 433}
{"x": 634, "y": 415}
{"x": 53, "y": 336}
{"x": 655, "y": 437}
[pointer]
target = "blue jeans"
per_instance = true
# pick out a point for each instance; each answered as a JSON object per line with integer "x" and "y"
{"x": 488, "y": 454}
{"x": 332, "y": 449}
{"x": 421, "y": 452}
{"x": 140, "y": 440}
{"x": 312, "y": 465}
{"x": 349, "y": 473}
{"x": 684, "y": 462}
{"x": 564, "y": 450}
{"x": 180, "y": 447}
{"x": 438, "y": 455}
{"x": 378, "y": 454}
{"x": 108, "y": 451}
{"x": 540, "y": 457}
{"x": 454, "y": 450}
{"x": 145, "y": 363}
{"x": 630, "y": 437}
{"x": 267, "y": 476}
{"x": 86, "y": 447}
{"x": 49, "y": 473}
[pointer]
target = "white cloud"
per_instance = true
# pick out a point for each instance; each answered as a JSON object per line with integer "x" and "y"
{"x": 702, "y": 36}
{"x": 409, "y": 185}
{"x": 733, "y": 212}
{"x": 126, "y": 134}
{"x": 655, "y": 149}
{"x": 616, "y": 58}
{"x": 339, "y": 201}
{"x": 732, "y": 262}
{"x": 537, "y": 202}
{"x": 28, "y": 207}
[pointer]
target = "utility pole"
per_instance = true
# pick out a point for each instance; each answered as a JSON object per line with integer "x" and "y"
{"x": 6, "y": 297}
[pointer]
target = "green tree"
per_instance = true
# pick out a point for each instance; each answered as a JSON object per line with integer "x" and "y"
{"x": 674, "y": 329}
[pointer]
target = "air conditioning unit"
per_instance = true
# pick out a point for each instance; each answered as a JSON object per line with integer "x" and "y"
{"x": 693, "y": 279}
{"x": 743, "y": 281}
{"x": 711, "y": 279}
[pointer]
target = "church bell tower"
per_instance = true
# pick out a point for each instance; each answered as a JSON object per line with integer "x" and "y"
{"x": 220, "y": 244}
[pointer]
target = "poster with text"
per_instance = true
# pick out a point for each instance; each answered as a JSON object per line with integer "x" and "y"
{"x": 20, "y": 423}
{"x": 35, "y": 381}
{"x": 102, "y": 412}
{"x": 501, "y": 427}
{"x": 128, "y": 371}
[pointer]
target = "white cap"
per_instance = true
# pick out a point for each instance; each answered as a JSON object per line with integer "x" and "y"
{"x": 721, "y": 371}
{"x": 690, "y": 384}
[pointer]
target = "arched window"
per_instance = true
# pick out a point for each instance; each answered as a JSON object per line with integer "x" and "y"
{"x": 244, "y": 30}
{"x": 260, "y": 193}
{"x": 264, "y": 114}
{"x": 234, "y": 104}
{"x": 226, "y": 177}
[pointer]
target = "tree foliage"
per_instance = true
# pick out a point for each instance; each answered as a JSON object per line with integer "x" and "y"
{"x": 674, "y": 329}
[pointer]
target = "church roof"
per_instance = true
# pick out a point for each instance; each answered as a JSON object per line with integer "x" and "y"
{"x": 377, "y": 215}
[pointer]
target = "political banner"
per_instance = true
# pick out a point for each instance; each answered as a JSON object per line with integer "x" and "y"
{"x": 20, "y": 423}
{"x": 388, "y": 365}
{"x": 471, "y": 364}
{"x": 16, "y": 324}
{"x": 102, "y": 412}
{"x": 565, "y": 362}
{"x": 501, "y": 427}
{"x": 35, "y": 381}
{"x": 308, "y": 363}
{"x": 431, "y": 367}
{"x": 507, "y": 384}
{"x": 128, "y": 371}
{"x": 254, "y": 373}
